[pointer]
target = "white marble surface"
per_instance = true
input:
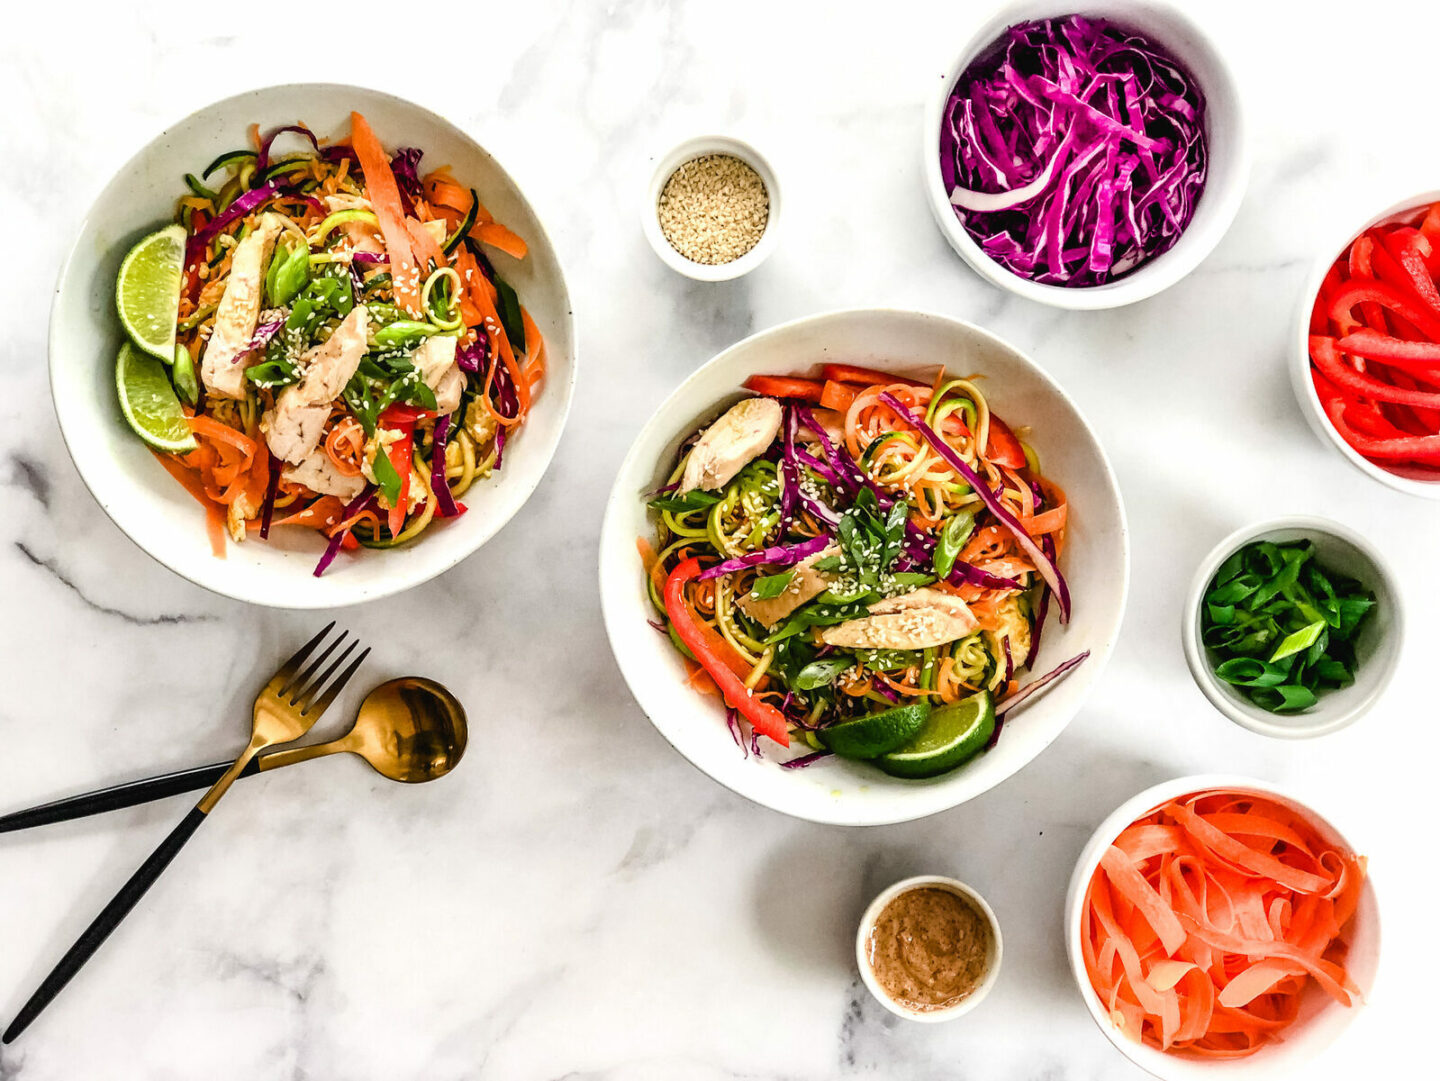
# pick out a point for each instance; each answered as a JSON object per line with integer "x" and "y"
{"x": 577, "y": 901}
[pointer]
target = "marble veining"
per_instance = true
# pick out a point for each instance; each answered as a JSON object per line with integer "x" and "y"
{"x": 576, "y": 901}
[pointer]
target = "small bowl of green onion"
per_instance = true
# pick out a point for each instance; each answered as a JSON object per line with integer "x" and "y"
{"x": 1293, "y": 627}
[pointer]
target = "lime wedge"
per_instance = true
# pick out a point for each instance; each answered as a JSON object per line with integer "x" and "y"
{"x": 149, "y": 402}
{"x": 953, "y": 734}
{"x": 147, "y": 291}
{"x": 873, "y": 735}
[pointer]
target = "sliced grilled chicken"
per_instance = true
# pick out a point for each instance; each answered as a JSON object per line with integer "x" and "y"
{"x": 740, "y": 436}
{"x": 293, "y": 428}
{"x": 926, "y": 617}
{"x": 436, "y": 361}
{"x": 318, "y": 473}
{"x": 223, "y": 364}
{"x": 806, "y": 585}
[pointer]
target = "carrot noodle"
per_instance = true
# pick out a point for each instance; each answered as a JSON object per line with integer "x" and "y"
{"x": 345, "y": 446}
{"x": 228, "y": 472}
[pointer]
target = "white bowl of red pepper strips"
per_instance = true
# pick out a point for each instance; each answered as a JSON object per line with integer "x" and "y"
{"x": 1293, "y": 627}
{"x": 1085, "y": 160}
{"x": 1366, "y": 367}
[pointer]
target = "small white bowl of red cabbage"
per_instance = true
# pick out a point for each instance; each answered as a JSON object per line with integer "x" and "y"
{"x": 1086, "y": 159}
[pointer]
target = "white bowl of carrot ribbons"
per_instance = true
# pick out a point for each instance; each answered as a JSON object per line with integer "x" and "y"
{"x": 159, "y": 514}
{"x": 1366, "y": 362}
{"x": 1218, "y": 925}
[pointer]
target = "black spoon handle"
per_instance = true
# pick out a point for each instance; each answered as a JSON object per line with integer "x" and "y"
{"x": 98, "y": 931}
{"x": 129, "y": 794}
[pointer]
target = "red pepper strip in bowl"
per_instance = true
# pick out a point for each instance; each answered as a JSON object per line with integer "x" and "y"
{"x": 1397, "y": 352}
{"x": 1355, "y": 292}
{"x": 1402, "y": 448}
{"x": 763, "y": 717}
{"x": 1326, "y": 356}
{"x": 779, "y": 386}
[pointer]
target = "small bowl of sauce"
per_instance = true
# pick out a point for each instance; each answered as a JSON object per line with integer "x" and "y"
{"x": 929, "y": 948}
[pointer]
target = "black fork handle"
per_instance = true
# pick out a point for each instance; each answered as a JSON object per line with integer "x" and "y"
{"x": 129, "y": 794}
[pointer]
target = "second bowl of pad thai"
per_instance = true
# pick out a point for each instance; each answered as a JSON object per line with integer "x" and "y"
{"x": 340, "y": 328}
{"x": 878, "y": 572}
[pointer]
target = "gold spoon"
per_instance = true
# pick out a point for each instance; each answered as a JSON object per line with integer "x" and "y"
{"x": 409, "y": 729}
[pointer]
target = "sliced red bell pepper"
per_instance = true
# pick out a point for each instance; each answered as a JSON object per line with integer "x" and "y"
{"x": 1406, "y": 448}
{"x": 1404, "y": 262}
{"x": 763, "y": 717}
{"x": 837, "y": 396}
{"x": 1357, "y": 292}
{"x": 399, "y": 414}
{"x": 1320, "y": 313}
{"x": 866, "y": 377}
{"x": 1326, "y": 356}
{"x": 1361, "y": 269}
{"x": 1003, "y": 447}
{"x": 782, "y": 386}
{"x": 1366, "y": 418}
{"x": 1396, "y": 352}
{"x": 402, "y": 456}
{"x": 1430, "y": 230}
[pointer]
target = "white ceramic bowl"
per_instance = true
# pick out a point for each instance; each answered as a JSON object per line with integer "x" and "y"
{"x": 1377, "y": 647}
{"x": 141, "y": 498}
{"x": 1320, "y": 1021}
{"x": 992, "y": 960}
{"x": 1225, "y": 127}
{"x": 1425, "y": 485}
{"x": 1096, "y": 561}
{"x": 699, "y": 147}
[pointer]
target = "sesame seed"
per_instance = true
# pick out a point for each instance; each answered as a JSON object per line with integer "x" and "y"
{"x": 713, "y": 209}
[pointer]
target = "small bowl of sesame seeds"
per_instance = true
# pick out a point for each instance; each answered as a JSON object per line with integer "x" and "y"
{"x": 712, "y": 208}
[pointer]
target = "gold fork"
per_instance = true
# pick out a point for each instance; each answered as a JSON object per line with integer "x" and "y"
{"x": 285, "y": 710}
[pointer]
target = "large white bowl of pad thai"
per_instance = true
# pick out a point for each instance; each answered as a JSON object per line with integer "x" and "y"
{"x": 864, "y": 566}
{"x": 312, "y": 347}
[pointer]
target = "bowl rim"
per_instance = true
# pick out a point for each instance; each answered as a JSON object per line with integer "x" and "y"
{"x": 1157, "y": 274}
{"x": 1341, "y": 715}
{"x": 695, "y": 147}
{"x": 401, "y": 580}
{"x": 618, "y": 500}
{"x": 1109, "y": 828}
{"x": 1300, "y": 380}
{"x": 872, "y": 914}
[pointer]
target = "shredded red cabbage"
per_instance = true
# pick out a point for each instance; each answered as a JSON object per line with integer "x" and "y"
{"x": 243, "y": 204}
{"x": 1043, "y": 563}
{"x": 262, "y": 161}
{"x": 370, "y": 258}
{"x": 354, "y": 507}
{"x": 407, "y": 177}
{"x": 473, "y": 358}
{"x": 1048, "y": 544}
{"x": 805, "y": 760}
{"x": 789, "y": 471}
{"x": 1074, "y": 150}
{"x": 445, "y": 504}
{"x": 272, "y": 488}
{"x": 507, "y": 404}
{"x": 775, "y": 556}
{"x": 1032, "y": 688}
